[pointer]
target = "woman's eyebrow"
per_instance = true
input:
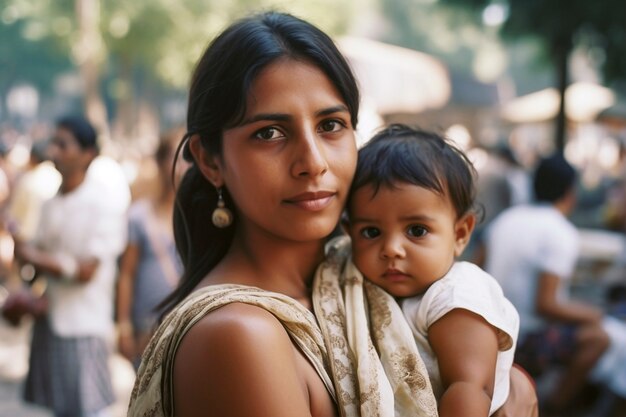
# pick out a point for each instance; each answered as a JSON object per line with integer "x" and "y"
{"x": 330, "y": 110}
{"x": 283, "y": 117}
{"x": 275, "y": 117}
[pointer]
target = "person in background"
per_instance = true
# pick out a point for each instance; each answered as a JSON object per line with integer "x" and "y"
{"x": 411, "y": 214}
{"x": 150, "y": 267}
{"x": 6, "y": 176}
{"x": 615, "y": 210}
{"x": 532, "y": 251}
{"x": 502, "y": 182}
{"x": 39, "y": 182}
{"x": 79, "y": 238}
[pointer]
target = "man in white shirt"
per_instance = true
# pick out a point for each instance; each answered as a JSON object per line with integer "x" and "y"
{"x": 80, "y": 236}
{"x": 532, "y": 251}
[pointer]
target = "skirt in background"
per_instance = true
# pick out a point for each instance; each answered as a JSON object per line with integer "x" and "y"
{"x": 69, "y": 376}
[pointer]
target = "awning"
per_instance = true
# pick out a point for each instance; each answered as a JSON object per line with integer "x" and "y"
{"x": 396, "y": 79}
{"x": 584, "y": 101}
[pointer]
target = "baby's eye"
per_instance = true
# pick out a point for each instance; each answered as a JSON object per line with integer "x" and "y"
{"x": 370, "y": 232}
{"x": 416, "y": 231}
{"x": 268, "y": 133}
{"x": 330, "y": 126}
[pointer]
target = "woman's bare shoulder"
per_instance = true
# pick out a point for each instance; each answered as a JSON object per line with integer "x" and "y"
{"x": 238, "y": 320}
{"x": 237, "y": 352}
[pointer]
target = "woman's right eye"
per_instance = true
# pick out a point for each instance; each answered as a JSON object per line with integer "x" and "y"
{"x": 268, "y": 133}
{"x": 370, "y": 232}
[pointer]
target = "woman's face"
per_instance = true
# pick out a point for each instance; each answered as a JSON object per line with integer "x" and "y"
{"x": 289, "y": 164}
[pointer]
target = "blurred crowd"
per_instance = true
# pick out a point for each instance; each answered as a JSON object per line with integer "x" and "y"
{"x": 558, "y": 249}
{"x": 86, "y": 256}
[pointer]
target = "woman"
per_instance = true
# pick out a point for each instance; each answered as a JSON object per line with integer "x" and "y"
{"x": 258, "y": 328}
{"x": 149, "y": 267}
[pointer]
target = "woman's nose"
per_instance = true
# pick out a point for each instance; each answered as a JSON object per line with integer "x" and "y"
{"x": 310, "y": 156}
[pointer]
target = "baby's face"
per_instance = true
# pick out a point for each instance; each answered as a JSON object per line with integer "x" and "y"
{"x": 404, "y": 238}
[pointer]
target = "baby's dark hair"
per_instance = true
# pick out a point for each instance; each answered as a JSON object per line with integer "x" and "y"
{"x": 401, "y": 154}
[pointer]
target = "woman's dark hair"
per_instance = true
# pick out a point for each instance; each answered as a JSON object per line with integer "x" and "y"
{"x": 217, "y": 101}
{"x": 401, "y": 154}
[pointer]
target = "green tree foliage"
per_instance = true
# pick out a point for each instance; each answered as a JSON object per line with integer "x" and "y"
{"x": 166, "y": 37}
{"x": 141, "y": 46}
{"x": 33, "y": 62}
{"x": 561, "y": 25}
{"x": 426, "y": 26}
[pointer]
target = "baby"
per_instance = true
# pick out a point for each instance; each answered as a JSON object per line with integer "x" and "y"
{"x": 411, "y": 213}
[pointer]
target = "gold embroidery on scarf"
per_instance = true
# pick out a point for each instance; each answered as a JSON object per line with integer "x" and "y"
{"x": 380, "y": 313}
{"x": 406, "y": 365}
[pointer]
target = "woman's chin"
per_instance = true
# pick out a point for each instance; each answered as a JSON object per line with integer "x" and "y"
{"x": 313, "y": 231}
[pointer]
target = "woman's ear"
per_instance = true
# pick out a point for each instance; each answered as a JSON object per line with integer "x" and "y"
{"x": 463, "y": 232}
{"x": 210, "y": 165}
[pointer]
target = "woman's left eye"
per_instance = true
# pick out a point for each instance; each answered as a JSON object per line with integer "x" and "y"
{"x": 330, "y": 126}
{"x": 417, "y": 231}
{"x": 268, "y": 133}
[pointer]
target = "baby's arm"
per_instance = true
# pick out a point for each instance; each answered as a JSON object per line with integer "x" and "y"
{"x": 466, "y": 347}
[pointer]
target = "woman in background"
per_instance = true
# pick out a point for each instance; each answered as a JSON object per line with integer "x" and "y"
{"x": 150, "y": 267}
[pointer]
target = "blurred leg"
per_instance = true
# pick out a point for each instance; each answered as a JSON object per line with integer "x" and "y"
{"x": 592, "y": 342}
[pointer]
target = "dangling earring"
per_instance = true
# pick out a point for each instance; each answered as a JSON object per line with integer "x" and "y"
{"x": 222, "y": 217}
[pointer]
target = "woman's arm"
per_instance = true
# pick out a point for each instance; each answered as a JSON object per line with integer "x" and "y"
{"x": 239, "y": 361}
{"x": 124, "y": 299}
{"x": 522, "y": 400}
{"x": 466, "y": 347}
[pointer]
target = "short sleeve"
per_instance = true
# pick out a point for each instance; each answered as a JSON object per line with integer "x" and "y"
{"x": 559, "y": 251}
{"x": 468, "y": 287}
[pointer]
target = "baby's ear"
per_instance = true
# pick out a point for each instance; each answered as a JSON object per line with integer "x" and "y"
{"x": 463, "y": 232}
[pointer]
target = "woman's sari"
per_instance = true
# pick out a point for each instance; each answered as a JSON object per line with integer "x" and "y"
{"x": 362, "y": 348}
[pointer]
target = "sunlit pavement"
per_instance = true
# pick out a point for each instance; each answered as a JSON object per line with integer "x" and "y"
{"x": 14, "y": 347}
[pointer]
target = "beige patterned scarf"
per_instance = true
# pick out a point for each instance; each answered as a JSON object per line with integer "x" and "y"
{"x": 362, "y": 349}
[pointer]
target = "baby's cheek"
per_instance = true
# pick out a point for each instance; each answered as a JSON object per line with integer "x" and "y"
{"x": 360, "y": 261}
{"x": 356, "y": 258}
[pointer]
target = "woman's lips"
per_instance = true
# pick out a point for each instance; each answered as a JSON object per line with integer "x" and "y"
{"x": 312, "y": 201}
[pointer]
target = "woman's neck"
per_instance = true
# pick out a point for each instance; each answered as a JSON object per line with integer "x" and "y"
{"x": 271, "y": 263}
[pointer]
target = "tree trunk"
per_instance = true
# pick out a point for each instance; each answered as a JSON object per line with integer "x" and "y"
{"x": 125, "y": 118}
{"x": 561, "y": 56}
{"x": 88, "y": 52}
